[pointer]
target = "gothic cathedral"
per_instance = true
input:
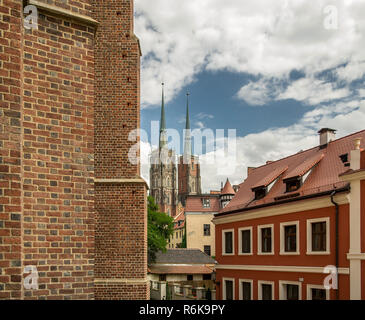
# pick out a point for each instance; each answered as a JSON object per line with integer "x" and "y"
{"x": 173, "y": 177}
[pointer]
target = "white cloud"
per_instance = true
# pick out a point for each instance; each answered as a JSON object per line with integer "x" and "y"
{"x": 265, "y": 38}
{"x": 313, "y": 91}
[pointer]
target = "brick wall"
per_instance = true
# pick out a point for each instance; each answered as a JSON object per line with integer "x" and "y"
{"x": 47, "y": 101}
{"x": 58, "y": 218}
{"x": 121, "y": 213}
{"x": 10, "y": 149}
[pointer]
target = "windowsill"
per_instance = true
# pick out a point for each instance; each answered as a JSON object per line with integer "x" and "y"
{"x": 318, "y": 253}
{"x": 227, "y": 254}
{"x": 265, "y": 253}
{"x": 283, "y": 253}
{"x": 245, "y": 254}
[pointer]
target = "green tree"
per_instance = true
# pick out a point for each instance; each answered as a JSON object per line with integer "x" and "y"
{"x": 160, "y": 228}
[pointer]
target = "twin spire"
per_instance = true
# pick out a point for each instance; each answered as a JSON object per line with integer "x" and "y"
{"x": 163, "y": 132}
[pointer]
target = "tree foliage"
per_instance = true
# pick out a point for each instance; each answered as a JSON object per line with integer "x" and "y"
{"x": 160, "y": 228}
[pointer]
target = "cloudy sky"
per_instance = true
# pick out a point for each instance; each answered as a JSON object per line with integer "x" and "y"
{"x": 275, "y": 70}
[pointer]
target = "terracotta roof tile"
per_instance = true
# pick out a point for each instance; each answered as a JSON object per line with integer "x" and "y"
{"x": 272, "y": 176}
{"x": 180, "y": 270}
{"x": 324, "y": 177}
{"x": 195, "y": 203}
{"x": 228, "y": 188}
{"x": 303, "y": 168}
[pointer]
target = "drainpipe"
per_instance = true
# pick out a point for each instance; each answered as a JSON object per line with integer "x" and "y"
{"x": 336, "y": 245}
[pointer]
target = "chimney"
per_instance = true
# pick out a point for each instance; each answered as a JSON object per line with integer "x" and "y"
{"x": 355, "y": 162}
{"x": 326, "y": 135}
{"x": 249, "y": 170}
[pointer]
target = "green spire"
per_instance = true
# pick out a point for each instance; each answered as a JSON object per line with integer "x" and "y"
{"x": 163, "y": 140}
{"x": 187, "y": 146}
{"x": 187, "y": 112}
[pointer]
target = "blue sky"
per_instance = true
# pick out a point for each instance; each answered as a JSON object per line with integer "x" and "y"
{"x": 275, "y": 70}
{"x": 213, "y": 103}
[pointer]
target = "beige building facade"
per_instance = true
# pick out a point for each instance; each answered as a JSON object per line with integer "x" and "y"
{"x": 200, "y": 232}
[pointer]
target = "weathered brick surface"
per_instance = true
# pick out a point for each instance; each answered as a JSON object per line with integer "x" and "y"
{"x": 58, "y": 217}
{"x": 10, "y": 149}
{"x": 121, "y": 213}
{"x": 47, "y": 99}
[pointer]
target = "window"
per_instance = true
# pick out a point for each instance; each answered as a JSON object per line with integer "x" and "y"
{"x": 206, "y": 203}
{"x": 207, "y": 229}
{"x": 207, "y": 277}
{"x": 290, "y": 290}
{"x": 260, "y": 193}
{"x": 266, "y": 239}
{"x": 189, "y": 277}
{"x": 162, "y": 277}
{"x": 228, "y": 289}
{"x": 245, "y": 289}
{"x": 318, "y": 236}
{"x": 293, "y": 184}
{"x": 289, "y": 237}
{"x": 317, "y": 292}
{"x": 207, "y": 250}
{"x": 228, "y": 246}
{"x": 245, "y": 240}
{"x": 266, "y": 290}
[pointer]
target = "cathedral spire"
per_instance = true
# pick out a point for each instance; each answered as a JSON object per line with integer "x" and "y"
{"x": 187, "y": 145}
{"x": 163, "y": 137}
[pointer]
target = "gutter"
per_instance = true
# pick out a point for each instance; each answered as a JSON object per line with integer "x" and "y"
{"x": 316, "y": 195}
{"x": 336, "y": 243}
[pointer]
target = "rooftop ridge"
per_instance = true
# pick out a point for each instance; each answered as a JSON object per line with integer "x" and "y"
{"x": 292, "y": 155}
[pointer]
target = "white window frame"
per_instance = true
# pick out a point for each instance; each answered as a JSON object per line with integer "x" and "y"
{"x": 309, "y": 236}
{"x": 240, "y": 242}
{"x": 259, "y": 288}
{"x": 316, "y": 286}
{"x": 240, "y": 281}
{"x": 224, "y": 287}
{"x": 282, "y": 289}
{"x": 224, "y": 242}
{"x": 259, "y": 244}
{"x": 282, "y": 237}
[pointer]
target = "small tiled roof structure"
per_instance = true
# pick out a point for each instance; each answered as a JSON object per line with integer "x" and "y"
{"x": 326, "y": 168}
{"x": 227, "y": 189}
{"x": 179, "y": 220}
{"x": 183, "y": 256}
{"x": 195, "y": 203}
{"x": 180, "y": 269}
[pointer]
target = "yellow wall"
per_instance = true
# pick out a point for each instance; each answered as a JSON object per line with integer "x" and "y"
{"x": 176, "y": 239}
{"x": 195, "y": 231}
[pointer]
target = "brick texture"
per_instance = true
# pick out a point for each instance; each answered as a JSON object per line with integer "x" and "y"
{"x": 121, "y": 213}
{"x": 47, "y": 131}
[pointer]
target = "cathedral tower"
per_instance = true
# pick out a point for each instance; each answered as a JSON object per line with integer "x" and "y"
{"x": 189, "y": 166}
{"x": 163, "y": 172}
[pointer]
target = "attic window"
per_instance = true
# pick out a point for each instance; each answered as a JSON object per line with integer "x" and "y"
{"x": 260, "y": 193}
{"x": 293, "y": 184}
{"x": 206, "y": 203}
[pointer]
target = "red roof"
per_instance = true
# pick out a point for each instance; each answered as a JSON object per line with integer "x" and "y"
{"x": 228, "y": 188}
{"x": 198, "y": 269}
{"x": 272, "y": 176}
{"x": 324, "y": 177}
{"x": 180, "y": 217}
{"x": 195, "y": 203}
{"x": 303, "y": 168}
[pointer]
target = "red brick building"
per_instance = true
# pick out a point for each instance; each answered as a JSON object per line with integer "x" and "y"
{"x": 71, "y": 204}
{"x": 290, "y": 219}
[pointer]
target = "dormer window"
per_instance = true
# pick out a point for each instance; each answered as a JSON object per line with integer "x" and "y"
{"x": 293, "y": 184}
{"x": 206, "y": 203}
{"x": 260, "y": 193}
